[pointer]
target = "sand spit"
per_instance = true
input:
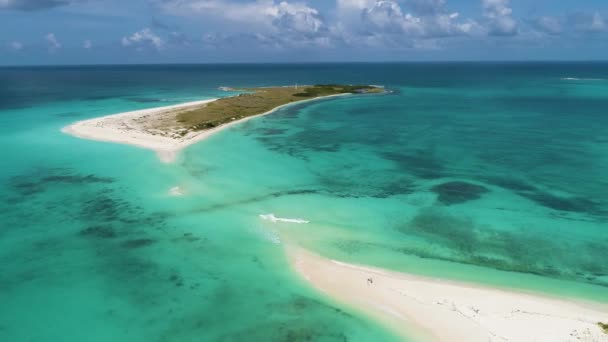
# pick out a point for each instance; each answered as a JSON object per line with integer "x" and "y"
{"x": 433, "y": 309}
{"x": 140, "y": 128}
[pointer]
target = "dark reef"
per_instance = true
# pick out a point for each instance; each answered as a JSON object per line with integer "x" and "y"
{"x": 458, "y": 192}
{"x": 420, "y": 164}
{"x": 575, "y": 204}
{"x": 572, "y": 204}
{"x": 138, "y": 243}
{"x": 104, "y": 232}
{"x": 462, "y": 239}
{"x": 38, "y": 180}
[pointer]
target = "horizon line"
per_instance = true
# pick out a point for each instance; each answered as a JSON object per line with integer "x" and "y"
{"x": 497, "y": 61}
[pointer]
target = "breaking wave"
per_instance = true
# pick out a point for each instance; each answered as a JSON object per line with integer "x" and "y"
{"x": 274, "y": 219}
{"x": 581, "y": 79}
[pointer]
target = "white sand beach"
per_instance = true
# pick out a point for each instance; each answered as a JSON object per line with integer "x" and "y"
{"x": 134, "y": 128}
{"x": 432, "y": 309}
{"x": 140, "y": 128}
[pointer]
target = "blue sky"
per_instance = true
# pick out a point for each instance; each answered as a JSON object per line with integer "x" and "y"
{"x": 200, "y": 31}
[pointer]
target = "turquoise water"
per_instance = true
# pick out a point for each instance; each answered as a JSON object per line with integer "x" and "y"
{"x": 493, "y": 173}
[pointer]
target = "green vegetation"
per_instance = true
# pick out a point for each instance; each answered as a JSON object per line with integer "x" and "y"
{"x": 604, "y": 326}
{"x": 259, "y": 101}
{"x": 329, "y": 89}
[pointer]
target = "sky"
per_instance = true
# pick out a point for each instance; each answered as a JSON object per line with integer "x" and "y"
{"x": 50, "y": 32}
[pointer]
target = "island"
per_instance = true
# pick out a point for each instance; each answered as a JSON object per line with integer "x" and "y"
{"x": 169, "y": 129}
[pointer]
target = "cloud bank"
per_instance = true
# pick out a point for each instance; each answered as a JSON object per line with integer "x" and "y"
{"x": 143, "y": 38}
{"x": 500, "y": 18}
{"x": 293, "y": 26}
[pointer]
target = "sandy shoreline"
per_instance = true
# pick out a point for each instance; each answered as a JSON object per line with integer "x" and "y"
{"x": 130, "y": 128}
{"x": 432, "y": 309}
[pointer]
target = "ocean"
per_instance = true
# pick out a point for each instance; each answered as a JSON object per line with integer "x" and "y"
{"x": 492, "y": 173}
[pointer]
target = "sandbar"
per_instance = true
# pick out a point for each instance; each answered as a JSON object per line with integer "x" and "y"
{"x": 426, "y": 309}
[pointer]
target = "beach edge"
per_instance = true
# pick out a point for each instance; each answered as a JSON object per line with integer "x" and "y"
{"x": 420, "y": 308}
{"x": 167, "y": 149}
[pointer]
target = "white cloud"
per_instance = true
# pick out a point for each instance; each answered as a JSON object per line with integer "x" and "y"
{"x": 415, "y": 24}
{"x": 356, "y": 22}
{"x": 500, "y": 17}
{"x": 278, "y": 24}
{"x": 387, "y": 16}
{"x": 142, "y": 38}
{"x": 265, "y": 16}
{"x": 87, "y": 44}
{"x": 16, "y": 46}
{"x": 428, "y": 19}
{"x": 297, "y": 18}
{"x": 52, "y": 42}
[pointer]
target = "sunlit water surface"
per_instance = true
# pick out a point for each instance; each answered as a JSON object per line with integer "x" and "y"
{"x": 492, "y": 173}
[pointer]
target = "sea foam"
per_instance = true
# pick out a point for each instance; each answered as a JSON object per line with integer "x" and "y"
{"x": 581, "y": 79}
{"x": 272, "y": 218}
{"x": 176, "y": 191}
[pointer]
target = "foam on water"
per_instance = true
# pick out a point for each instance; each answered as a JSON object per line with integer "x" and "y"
{"x": 274, "y": 219}
{"x": 176, "y": 191}
{"x": 581, "y": 79}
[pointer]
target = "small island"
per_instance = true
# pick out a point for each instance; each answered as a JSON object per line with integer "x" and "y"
{"x": 167, "y": 130}
{"x": 255, "y": 101}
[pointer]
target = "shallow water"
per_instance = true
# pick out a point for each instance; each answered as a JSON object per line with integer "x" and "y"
{"x": 490, "y": 173}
